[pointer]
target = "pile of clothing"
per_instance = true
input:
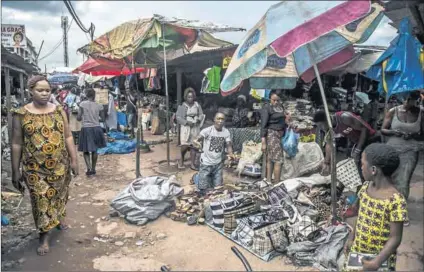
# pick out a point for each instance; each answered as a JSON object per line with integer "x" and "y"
{"x": 273, "y": 220}
{"x": 301, "y": 112}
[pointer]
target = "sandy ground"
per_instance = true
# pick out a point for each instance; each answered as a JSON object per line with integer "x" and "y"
{"x": 97, "y": 242}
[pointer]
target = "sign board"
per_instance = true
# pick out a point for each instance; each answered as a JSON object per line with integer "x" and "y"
{"x": 225, "y": 62}
{"x": 102, "y": 96}
{"x": 13, "y": 36}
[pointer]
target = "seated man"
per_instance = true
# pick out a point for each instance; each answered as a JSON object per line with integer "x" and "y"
{"x": 215, "y": 139}
{"x": 350, "y": 126}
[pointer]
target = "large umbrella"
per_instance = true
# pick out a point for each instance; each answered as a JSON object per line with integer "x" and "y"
{"x": 152, "y": 41}
{"x": 403, "y": 69}
{"x": 295, "y": 36}
{"x": 105, "y": 67}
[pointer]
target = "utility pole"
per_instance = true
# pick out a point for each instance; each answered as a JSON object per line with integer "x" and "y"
{"x": 65, "y": 40}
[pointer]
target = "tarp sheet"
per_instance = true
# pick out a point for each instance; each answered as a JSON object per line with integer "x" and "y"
{"x": 143, "y": 38}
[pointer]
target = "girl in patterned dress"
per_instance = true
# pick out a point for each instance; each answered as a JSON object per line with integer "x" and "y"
{"x": 382, "y": 209}
{"x": 43, "y": 143}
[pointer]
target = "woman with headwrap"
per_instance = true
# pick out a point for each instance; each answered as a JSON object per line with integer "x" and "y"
{"x": 273, "y": 125}
{"x": 43, "y": 143}
{"x": 240, "y": 119}
{"x": 190, "y": 117}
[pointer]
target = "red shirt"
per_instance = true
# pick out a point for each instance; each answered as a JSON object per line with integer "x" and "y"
{"x": 349, "y": 132}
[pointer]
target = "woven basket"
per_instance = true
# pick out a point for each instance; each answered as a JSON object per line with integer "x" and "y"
{"x": 348, "y": 174}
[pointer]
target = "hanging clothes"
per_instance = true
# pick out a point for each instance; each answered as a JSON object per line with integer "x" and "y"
{"x": 112, "y": 116}
{"x": 214, "y": 77}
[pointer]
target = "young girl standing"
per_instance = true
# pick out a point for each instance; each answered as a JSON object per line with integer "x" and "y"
{"x": 91, "y": 136}
{"x": 382, "y": 209}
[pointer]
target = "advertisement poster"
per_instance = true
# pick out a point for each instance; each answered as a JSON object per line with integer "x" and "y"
{"x": 102, "y": 96}
{"x": 13, "y": 36}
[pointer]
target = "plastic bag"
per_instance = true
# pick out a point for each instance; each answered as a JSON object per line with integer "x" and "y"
{"x": 290, "y": 141}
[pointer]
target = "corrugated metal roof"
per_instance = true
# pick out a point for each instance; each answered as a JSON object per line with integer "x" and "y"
{"x": 17, "y": 61}
{"x": 413, "y": 9}
{"x": 199, "y": 54}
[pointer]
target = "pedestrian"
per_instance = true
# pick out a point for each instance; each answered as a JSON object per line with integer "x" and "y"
{"x": 382, "y": 209}
{"x": 215, "y": 140}
{"x": 190, "y": 117}
{"x": 404, "y": 127}
{"x": 274, "y": 121}
{"x": 350, "y": 126}
{"x": 240, "y": 119}
{"x": 43, "y": 143}
{"x": 91, "y": 136}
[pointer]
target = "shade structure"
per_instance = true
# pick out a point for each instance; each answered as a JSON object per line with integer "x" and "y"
{"x": 105, "y": 67}
{"x": 295, "y": 36}
{"x": 60, "y": 78}
{"x": 278, "y": 45}
{"x": 154, "y": 41}
{"x": 143, "y": 40}
{"x": 400, "y": 68}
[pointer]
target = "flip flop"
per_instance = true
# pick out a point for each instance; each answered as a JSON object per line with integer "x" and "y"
{"x": 62, "y": 227}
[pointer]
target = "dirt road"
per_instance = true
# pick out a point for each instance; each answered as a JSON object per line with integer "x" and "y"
{"x": 97, "y": 242}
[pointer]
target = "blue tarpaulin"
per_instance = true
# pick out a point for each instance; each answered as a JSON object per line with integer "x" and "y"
{"x": 118, "y": 147}
{"x": 118, "y": 135}
{"x": 403, "y": 71}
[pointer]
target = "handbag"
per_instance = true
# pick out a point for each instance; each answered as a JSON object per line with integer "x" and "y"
{"x": 300, "y": 231}
{"x": 231, "y": 215}
{"x": 348, "y": 174}
{"x": 267, "y": 237}
{"x": 218, "y": 207}
{"x": 277, "y": 194}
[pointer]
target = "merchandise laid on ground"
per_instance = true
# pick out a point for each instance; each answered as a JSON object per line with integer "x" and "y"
{"x": 291, "y": 218}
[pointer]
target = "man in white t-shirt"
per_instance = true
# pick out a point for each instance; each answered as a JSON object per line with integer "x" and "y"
{"x": 215, "y": 140}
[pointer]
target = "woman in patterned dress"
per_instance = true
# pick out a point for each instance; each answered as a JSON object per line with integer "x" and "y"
{"x": 274, "y": 122}
{"x": 43, "y": 143}
{"x": 382, "y": 209}
{"x": 190, "y": 117}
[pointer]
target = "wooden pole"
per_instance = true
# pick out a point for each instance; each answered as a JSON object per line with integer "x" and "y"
{"x": 8, "y": 102}
{"x": 179, "y": 99}
{"x": 167, "y": 98}
{"x": 22, "y": 87}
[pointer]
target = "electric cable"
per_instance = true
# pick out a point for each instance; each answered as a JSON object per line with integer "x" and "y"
{"x": 78, "y": 21}
{"x": 57, "y": 45}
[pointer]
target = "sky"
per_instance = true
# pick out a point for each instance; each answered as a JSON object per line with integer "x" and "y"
{"x": 42, "y": 20}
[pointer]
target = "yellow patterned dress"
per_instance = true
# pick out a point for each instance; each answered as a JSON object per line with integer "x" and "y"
{"x": 45, "y": 165}
{"x": 373, "y": 223}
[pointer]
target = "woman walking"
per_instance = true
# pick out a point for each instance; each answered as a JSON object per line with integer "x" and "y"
{"x": 190, "y": 117}
{"x": 404, "y": 126}
{"x": 91, "y": 135}
{"x": 43, "y": 143}
{"x": 273, "y": 124}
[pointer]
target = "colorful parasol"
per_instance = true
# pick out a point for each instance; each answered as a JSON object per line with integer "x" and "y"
{"x": 280, "y": 44}
{"x": 105, "y": 67}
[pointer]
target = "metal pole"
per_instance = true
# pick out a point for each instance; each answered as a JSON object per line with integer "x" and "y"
{"x": 21, "y": 85}
{"x": 333, "y": 140}
{"x": 179, "y": 100}
{"x": 138, "y": 140}
{"x": 167, "y": 97}
{"x": 8, "y": 102}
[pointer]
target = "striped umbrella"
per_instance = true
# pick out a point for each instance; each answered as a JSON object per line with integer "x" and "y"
{"x": 278, "y": 50}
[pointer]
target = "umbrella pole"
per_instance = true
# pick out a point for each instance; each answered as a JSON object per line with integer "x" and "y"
{"x": 167, "y": 98}
{"x": 333, "y": 140}
{"x": 138, "y": 135}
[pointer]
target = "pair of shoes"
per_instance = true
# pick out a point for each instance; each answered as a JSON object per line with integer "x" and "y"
{"x": 90, "y": 173}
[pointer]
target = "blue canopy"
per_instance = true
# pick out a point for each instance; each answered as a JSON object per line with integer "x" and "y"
{"x": 61, "y": 78}
{"x": 403, "y": 71}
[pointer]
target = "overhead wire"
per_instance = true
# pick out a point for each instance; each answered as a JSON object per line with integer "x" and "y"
{"x": 78, "y": 21}
{"x": 57, "y": 45}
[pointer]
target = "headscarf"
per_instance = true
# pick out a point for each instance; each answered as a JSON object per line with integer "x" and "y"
{"x": 32, "y": 81}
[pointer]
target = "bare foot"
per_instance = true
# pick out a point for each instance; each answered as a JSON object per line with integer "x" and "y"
{"x": 43, "y": 247}
{"x": 62, "y": 225}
